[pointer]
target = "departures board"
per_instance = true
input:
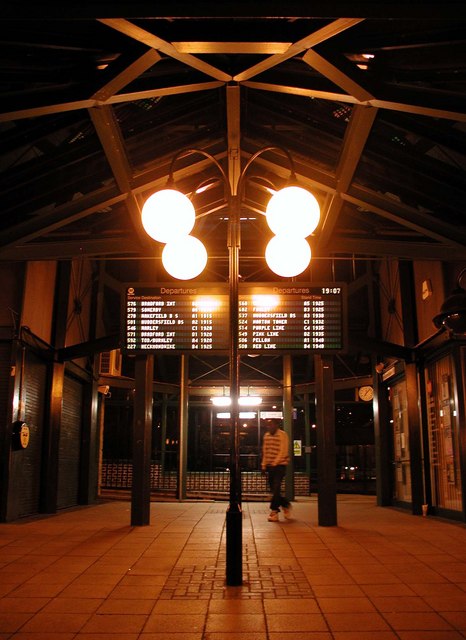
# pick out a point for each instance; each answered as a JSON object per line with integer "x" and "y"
{"x": 271, "y": 317}
{"x": 175, "y": 318}
{"x": 275, "y": 317}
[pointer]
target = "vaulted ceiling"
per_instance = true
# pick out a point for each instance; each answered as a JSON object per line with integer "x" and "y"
{"x": 368, "y": 98}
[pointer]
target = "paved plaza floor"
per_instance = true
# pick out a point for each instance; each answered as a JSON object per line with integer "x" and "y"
{"x": 86, "y": 574}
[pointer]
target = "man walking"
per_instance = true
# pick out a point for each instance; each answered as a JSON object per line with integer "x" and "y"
{"x": 275, "y": 457}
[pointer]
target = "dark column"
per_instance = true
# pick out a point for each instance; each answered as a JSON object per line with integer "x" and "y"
{"x": 163, "y": 445}
{"x": 415, "y": 439}
{"x": 53, "y": 414}
{"x": 383, "y": 444}
{"x": 14, "y": 411}
{"x": 234, "y": 516}
{"x": 408, "y": 303}
{"x": 93, "y": 420}
{"x": 288, "y": 424}
{"x": 326, "y": 450}
{"x": 307, "y": 437}
{"x": 424, "y": 404}
{"x": 460, "y": 375}
{"x": 89, "y": 459}
{"x": 142, "y": 440}
{"x": 183, "y": 432}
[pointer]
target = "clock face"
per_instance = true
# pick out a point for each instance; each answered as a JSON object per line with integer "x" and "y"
{"x": 366, "y": 393}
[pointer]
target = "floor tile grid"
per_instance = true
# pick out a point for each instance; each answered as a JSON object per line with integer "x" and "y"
{"x": 342, "y": 624}
{"x": 441, "y": 625}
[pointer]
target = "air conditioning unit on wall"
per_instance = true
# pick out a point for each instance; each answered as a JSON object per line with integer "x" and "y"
{"x": 110, "y": 363}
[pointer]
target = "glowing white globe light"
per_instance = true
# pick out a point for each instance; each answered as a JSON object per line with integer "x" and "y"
{"x": 168, "y": 214}
{"x": 287, "y": 255}
{"x": 184, "y": 258}
{"x": 293, "y": 210}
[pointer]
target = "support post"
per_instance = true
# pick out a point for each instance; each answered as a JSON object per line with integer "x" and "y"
{"x": 163, "y": 427}
{"x": 142, "y": 440}
{"x": 234, "y": 524}
{"x": 383, "y": 446}
{"x": 89, "y": 462}
{"x": 183, "y": 437}
{"x": 326, "y": 450}
{"x": 415, "y": 439}
{"x": 307, "y": 438}
{"x": 52, "y": 423}
{"x": 288, "y": 424}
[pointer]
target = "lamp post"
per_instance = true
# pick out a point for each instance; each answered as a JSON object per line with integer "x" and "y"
{"x": 291, "y": 222}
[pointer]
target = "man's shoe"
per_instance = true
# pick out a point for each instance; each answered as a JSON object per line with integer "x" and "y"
{"x": 287, "y": 512}
{"x": 273, "y": 517}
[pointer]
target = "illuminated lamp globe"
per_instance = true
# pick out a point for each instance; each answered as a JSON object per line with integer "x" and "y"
{"x": 184, "y": 258}
{"x": 168, "y": 214}
{"x": 293, "y": 210}
{"x": 287, "y": 255}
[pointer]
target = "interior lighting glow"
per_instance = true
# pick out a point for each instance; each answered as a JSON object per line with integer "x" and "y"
{"x": 221, "y": 401}
{"x": 265, "y": 302}
{"x": 244, "y": 415}
{"x": 168, "y": 214}
{"x": 207, "y": 305}
{"x": 243, "y": 401}
{"x": 288, "y": 256}
{"x": 249, "y": 401}
{"x": 293, "y": 210}
{"x": 184, "y": 258}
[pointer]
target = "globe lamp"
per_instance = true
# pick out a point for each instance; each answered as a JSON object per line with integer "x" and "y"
{"x": 167, "y": 214}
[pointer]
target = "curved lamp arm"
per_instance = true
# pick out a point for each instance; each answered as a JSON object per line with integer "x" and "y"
{"x": 259, "y": 153}
{"x": 186, "y": 152}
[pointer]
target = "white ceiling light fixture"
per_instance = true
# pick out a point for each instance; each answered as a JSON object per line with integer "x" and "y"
{"x": 168, "y": 214}
{"x": 287, "y": 255}
{"x": 184, "y": 258}
{"x": 293, "y": 210}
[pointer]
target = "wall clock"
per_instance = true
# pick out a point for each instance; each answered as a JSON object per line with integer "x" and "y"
{"x": 366, "y": 393}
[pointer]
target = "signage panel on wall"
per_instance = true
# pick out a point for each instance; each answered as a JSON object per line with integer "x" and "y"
{"x": 272, "y": 317}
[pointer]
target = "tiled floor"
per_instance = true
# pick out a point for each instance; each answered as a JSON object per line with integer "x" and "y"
{"x": 381, "y": 574}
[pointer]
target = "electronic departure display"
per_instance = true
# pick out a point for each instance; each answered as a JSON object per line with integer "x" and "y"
{"x": 271, "y": 316}
{"x": 168, "y": 317}
{"x": 276, "y": 317}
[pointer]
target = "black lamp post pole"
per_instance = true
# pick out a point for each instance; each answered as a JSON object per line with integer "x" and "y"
{"x": 234, "y": 533}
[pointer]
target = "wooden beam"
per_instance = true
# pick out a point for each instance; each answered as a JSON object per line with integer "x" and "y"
{"x": 378, "y": 247}
{"x": 111, "y": 139}
{"x": 234, "y": 136}
{"x": 58, "y": 217}
{"x": 132, "y": 71}
{"x": 89, "y": 103}
{"x": 336, "y": 76}
{"x": 246, "y": 48}
{"x": 164, "y": 92}
{"x": 69, "y": 249}
{"x": 341, "y": 97}
{"x": 356, "y": 134}
{"x": 422, "y": 222}
{"x": 330, "y": 30}
{"x": 141, "y": 35}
